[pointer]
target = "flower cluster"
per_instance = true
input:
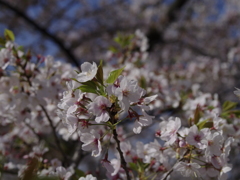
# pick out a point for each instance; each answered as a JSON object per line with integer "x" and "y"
{"x": 56, "y": 117}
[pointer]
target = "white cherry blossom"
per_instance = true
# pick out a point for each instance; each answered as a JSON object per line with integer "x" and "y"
{"x": 88, "y": 177}
{"x": 169, "y": 129}
{"x": 88, "y": 72}
{"x": 99, "y": 108}
{"x": 196, "y": 137}
{"x": 188, "y": 169}
{"x": 91, "y": 142}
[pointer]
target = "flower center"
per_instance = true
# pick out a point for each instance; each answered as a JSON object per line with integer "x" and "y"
{"x": 125, "y": 92}
{"x": 197, "y": 138}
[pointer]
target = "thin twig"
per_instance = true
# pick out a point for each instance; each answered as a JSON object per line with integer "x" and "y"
{"x": 171, "y": 170}
{"x": 54, "y": 133}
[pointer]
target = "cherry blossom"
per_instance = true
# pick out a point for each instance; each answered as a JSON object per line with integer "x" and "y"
{"x": 141, "y": 121}
{"x": 88, "y": 177}
{"x": 196, "y": 137}
{"x": 91, "y": 143}
{"x": 88, "y": 72}
{"x": 49, "y": 113}
{"x": 169, "y": 129}
{"x": 127, "y": 92}
{"x": 188, "y": 169}
{"x": 99, "y": 108}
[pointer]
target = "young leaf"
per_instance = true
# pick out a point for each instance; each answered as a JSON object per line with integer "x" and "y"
{"x": 205, "y": 124}
{"x": 90, "y": 84}
{"x": 79, "y": 173}
{"x": 197, "y": 114}
{"x": 143, "y": 82}
{"x": 99, "y": 75}
{"x": 114, "y": 75}
{"x": 228, "y": 105}
{"x": 2, "y": 41}
{"x": 113, "y": 49}
{"x": 133, "y": 166}
{"x": 77, "y": 71}
{"x": 20, "y": 48}
{"x": 9, "y": 35}
{"x": 89, "y": 87}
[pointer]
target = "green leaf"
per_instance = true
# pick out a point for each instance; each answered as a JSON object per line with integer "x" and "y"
{"x": 79, "y": 173}
{"x": 74, "y": 79}
{"x": 77, "y": 71}
{"x": 20, "y": 48}
{"x": 2, "y": 41}
{"x": 207, "y": 123}
{"x": 85, "y": 88}
{"x": 113, "y": 49}
{"x": 228, "y": 105}
{"x": 102, "y": 91}
{"x": 123, "y": 40}
{"x": 99, "y": 75}
{"x": 143, "y": 82}
{"x": 236, "y": 112}
{"x": 197, "y": 115}
{"x": 114, "y": 75}
{"x": 133, "y": 166}
{"x": 9, "y": 35}
{"x": 89, "y": 86}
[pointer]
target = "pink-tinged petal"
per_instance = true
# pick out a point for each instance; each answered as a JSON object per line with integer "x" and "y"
{"x": 87, "y": 137}
{"x": 72, "y": 109}
{"x": 108, "y": 166}
{"x": 89, "y": 71}
{"x": 149, "y": 99}
{"x": 125, "y": 104}
{"x": 103, "y": 118}
{"x": 99, "y": 108}
{"x": 212, "y": 172}
{"x": 88, "y": 147}
{"x": 86, "y": 66}
{"x": 98, "y": 149}
{"x": 116, "y": 165}
{"x": 72, "y": 122}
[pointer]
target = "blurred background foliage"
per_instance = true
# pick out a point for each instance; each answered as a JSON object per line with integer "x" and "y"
{"x": 80, "y": 30}
{"x": 179, "y": 31}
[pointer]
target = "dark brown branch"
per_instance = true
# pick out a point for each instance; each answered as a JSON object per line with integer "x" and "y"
{"x": 155, "y": 35}
{"x": 123, "y": 162}
{"x": 174, "y": 8}
{"x": 44, "y": 31}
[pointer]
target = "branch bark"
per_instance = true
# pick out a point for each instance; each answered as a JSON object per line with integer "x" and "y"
{"x": 123, "y": 162}
{"x": 156, "y": 35}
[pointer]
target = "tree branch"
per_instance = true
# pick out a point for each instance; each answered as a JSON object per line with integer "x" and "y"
{"x": 123, "y": 162}
{"x": 156, "y": 35}
{"x": 54, "y": 133}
